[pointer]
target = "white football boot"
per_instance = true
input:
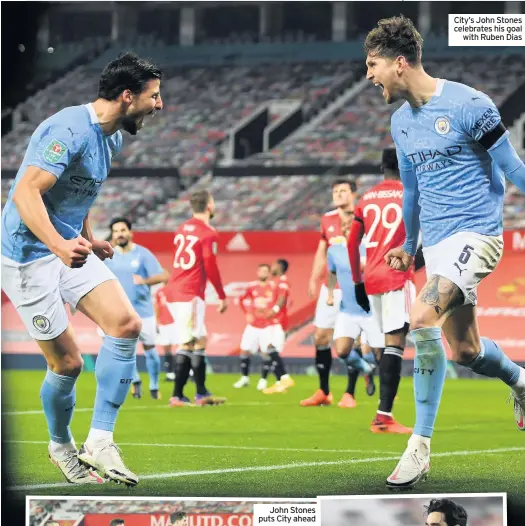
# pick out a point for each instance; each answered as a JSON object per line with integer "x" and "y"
{"x": 413, "y": 466}
{"x": 262, "y": 384}
{"x": 74, "y": 471}
{"x": 105, "y": 457}
{"x": 243, "y": 381}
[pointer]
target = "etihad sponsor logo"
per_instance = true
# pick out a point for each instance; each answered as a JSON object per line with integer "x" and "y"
{"x": 439, "y": 158}
{"x": 384, "y": 194}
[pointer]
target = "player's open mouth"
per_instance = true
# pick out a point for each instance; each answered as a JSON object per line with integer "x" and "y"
{"x": 379, "y": 85}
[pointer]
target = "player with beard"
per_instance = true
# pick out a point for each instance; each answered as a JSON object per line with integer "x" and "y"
{"x": 50, "y": 257}
{"x": 138, "y": 269}
{"x": 454, "y": 153}
{"x": 332, "y": 225}
{"x": 195, "y": 263}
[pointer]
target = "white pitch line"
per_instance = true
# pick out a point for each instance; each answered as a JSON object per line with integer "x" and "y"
{"x": 211, "y": 446}
{"x": 133, "y": 408}
{"x": 278, "y": 467}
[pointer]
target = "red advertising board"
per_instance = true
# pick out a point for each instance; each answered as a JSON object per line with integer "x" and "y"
{"x": 162, "y": 519}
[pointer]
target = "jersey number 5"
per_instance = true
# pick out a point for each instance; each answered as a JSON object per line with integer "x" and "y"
{"x": 184, "y": 254}
{"x": 382, "y": 216}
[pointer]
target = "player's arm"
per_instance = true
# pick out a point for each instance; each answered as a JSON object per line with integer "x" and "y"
{"x": 27, "y": 198}
{"x": 209, "y": 254}
{"x": 357, "y": 231}
{"x": 282, "y": 297}
{"x": 318, "y": 266}
{"x": 482, "y": 121}
{"x": 101, "y": 248}
{"x": 331, "y": 281}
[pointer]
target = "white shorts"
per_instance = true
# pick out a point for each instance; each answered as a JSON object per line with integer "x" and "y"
{"x": 349, "y": 326}
{"x": 392, "y": 309}
{"x": 465, "y": 259}
{"x": 167, "y": 335}
{"x": 189, "y": 320}
{"x": 39, "y": 290}
{"x": 325, "y": 315}
{"x": 255, "y": 339}
{"x": 148, "y": 334}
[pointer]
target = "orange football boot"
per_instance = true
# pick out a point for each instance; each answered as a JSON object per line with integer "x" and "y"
{"x": 387, "y": 424}
{"x": 348, "y": 401}
{"x": 318, "y": 398}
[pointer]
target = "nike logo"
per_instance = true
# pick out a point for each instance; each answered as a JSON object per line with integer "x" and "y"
{"x": 404, "y": 132}
{"x": 461, "y": 270}
{"x": 394, "y": 475}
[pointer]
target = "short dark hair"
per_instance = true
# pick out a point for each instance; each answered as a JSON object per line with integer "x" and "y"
{"x": 116, "y": 522}
{"x": 389, "y": 162}
{"x": 127, "y": 71}
{"x": 393, "y": 37}
{"x": 116, "y": 220}
{"x": 264, "y": 265}
{"x": 350, "y": 182}
{"x": 199, "y": 201}
{"x": 455, "y": 515}
{"x": 283, "y": 264}
{"x": 178, "y": 516}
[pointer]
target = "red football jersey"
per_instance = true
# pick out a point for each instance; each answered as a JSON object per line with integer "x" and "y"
{"x": 258, "y": 301}
{"x": 282, "y": 288}
{"x": 380, "y": 213}
{"x": 195, "y": 262}
{"x": 332, "y": 230}
{"x": 164, "y": 316}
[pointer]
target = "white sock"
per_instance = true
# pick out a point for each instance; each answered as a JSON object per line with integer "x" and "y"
{"x": 99, "y": 435}
{"x": 520, "y": 384}
{"x": 58, "y": 449}
{"x": 416, "y": 440}
{"x": 383, "y": 413}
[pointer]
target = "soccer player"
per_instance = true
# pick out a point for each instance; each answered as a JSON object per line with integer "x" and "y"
{"x": 454, "y": 153}
{"x": 50, "y": 257}
{"x": 280, "y": 325}
{"x": 166, "y": 337}
{"x": 445, "y": 512}
{"x": 179, "y": 518}
{"x": 351, "y": 320}
{"x": 195, "y": 263}
{"x": 378, "y": 216}
{"x": 332, "y": 224}
{"x": 138, "y": 269}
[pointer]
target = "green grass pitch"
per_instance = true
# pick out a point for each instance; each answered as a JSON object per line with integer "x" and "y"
{"x": 269, "y": 446}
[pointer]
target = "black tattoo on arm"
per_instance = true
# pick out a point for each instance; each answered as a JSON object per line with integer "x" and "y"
{"x": 442, "y": 294}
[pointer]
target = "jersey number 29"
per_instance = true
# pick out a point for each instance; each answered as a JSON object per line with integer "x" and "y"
{"x": 184, "y": 254}
{"x": 381, "y": 216}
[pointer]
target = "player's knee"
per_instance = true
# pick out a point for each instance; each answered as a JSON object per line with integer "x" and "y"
{"x": 69, "y": 365}
{"x": 464, "y": 352}
{"x": 321, "y": 338}
{"x": 128, "y": 326}
{"x": 419, "y": 319}
{"x": 342, "y": 350}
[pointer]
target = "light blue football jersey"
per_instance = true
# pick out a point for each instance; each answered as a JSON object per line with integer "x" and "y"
{"x": 140, "y": 261}
{"x": 442, "y": 152}
{"x": 71, "y": 146}
{"x": 339, "y": 263}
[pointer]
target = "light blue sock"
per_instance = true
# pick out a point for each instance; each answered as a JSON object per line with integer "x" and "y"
{"x": 58, "y": 400}
{"x": 358, "y": 363}
{"x": 136, "y": 375}
{"x": 430, "y": 368}
{"x": 370, "y": 358}
{"x": 153, "y": 366}
{"x": 494, "y": 363}
{"x": 114, "y": 372}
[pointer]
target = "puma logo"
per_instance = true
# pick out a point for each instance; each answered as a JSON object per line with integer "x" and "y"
{"x": 461, "y": 270}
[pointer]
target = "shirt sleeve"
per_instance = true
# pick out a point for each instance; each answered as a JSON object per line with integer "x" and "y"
{"x": 480, "y": 120}
{"x": 56, "y": 148}
{"x": 354, "y": 247}
{"x": 151, "y": 263}
{"x": 507, "y": 159}
{"x": 209, "y": 253}
{"x": 411, "y": 208}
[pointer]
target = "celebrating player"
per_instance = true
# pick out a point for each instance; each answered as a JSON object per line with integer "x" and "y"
{"x": 453, "y": 153}
{"x": 179, "y": 518}
{"x": 445, "y": 512}
{"x": 378, "y": 215}
{"x": 332, "y": 224}
{"x": 50, "y": 257}
{"x": 195, "y": 263}
{"x": 166, "y": 337}
{"x": 138, "y": 269}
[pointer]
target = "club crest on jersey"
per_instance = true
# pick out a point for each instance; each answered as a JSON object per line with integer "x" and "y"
{"x": 41, "y": 324}
{"x": 331, "y": 228}
{"x": 442, "y": 125}
{"x": 55, "y": 151}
